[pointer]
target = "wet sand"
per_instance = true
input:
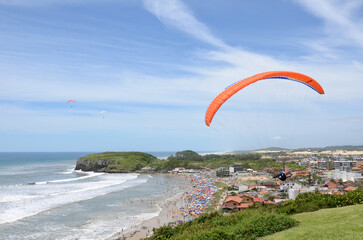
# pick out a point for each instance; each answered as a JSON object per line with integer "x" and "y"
{"x": 171, "y": 211}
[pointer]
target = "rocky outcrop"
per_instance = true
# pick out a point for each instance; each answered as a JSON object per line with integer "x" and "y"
{"x": 97, "y": 165}
{"x": 114, "y": 162}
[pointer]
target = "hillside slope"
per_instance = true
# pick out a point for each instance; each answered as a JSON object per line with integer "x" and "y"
{"x": 333, "y": 223}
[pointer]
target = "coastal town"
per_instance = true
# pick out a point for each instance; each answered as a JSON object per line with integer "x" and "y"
{"x": 325, "y": 173}
{"x": 234, "y": 188}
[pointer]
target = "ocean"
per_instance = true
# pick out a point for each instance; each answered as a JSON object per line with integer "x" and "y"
{"x": 43, "y": 197}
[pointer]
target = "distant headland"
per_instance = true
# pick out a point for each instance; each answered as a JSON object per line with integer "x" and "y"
{"x": 115, "y": 162}
{"x": 127, "y": 162}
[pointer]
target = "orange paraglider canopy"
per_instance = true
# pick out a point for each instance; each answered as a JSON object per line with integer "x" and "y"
{"x": 235, "y": 87}
{"x": 70, "y": 101}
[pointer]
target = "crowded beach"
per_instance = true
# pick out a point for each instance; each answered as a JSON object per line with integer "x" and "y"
{"x": 198, "y": 194}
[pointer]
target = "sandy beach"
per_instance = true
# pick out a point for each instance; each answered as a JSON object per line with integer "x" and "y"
{"x": 180, "y": 207}
{"x": 170, "y": 211}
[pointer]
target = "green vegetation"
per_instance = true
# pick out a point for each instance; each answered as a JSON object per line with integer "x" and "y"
{"x": 338, "y": 223}
{"x": 248, "y": 224}
{"x": 187, "y": 155}
{"x": 115, "y": 161}
{"x": 189, "y": 159}
{"x": 134, "y": 161}
{"x": 217, "y": 195}
{"x": 308, "y": 202}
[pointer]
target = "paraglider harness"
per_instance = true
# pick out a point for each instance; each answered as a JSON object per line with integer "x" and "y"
{"x": 282, "y": 176}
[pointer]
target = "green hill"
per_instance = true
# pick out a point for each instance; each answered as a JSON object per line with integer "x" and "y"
{"x": 115, "y": 162}
{"x": 334, "y": 223}
{"x": 188, "y": 155}
{"x": 334, "y": 148}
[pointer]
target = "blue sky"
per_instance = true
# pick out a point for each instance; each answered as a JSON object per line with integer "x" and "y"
{"x": 152, "y": 67}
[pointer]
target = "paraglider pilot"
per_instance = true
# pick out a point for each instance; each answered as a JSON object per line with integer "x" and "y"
{"x": 282, "y": 176}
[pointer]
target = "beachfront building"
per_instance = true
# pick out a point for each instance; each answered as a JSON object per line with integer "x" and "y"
{"x": 242, "y": 187}
{"x": 222, "y": 172}
{"x": 243, "y": 201}
{"x": 346, "y": 165}
{"x": 147, "y": 169}
{"x": 345, "y": 176}
{"x": 304, "y": 163}
{"x": 235, "y": 168}
{"x": 178, "y": 170}
{"x": 350, "y": 188}
{"x": 268, "y": 184}
{"x": 325, "y": 165}
{"x": 285, "y": 186}
{"x": 293, "y": 192}
{"x": 331, "y": 185}
{"x": 232, "y": 203}
{"x": 302, "y": 173}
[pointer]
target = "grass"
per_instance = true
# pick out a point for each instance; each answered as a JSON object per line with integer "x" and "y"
{"x": 217, "y": 195}
{"x": 336, "y": 223}
{"x": 248, "y": 224}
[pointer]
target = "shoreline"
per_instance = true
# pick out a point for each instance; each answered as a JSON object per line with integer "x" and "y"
{"x": 170, "y": 211}
{"x": 195, "y": 198}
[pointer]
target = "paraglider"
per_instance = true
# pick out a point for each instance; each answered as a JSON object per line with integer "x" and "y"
{"x": 282, "y": 176}
{"x": 71, "y": 101}
{"x": 237, "y": 86}
{"x": 102, "y": 114}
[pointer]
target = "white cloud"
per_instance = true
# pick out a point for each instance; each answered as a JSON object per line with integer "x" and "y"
{"x": 341, "y": 21}
{"x": 277, "y": 138}
{"x": 174, "y": 13}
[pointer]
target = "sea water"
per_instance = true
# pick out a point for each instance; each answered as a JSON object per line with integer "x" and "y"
{"x": 43, "y": 197}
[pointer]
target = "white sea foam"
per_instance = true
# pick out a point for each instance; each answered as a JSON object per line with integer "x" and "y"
{"x": 107, "y": 229}
{"x": 91, "y": 174}
{"x": 28, "y": 200}
{"x": 68, "y": 171}
{"x": 13, "y": 198}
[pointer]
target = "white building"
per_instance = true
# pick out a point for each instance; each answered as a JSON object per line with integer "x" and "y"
{"x": 345, "y": 176}
{"x": 293, "y": 192}
{"x": 285, "y": 186}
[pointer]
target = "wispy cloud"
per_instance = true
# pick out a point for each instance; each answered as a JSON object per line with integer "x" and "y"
{"x": 340, "y": 18}
{"x": 174, "y": 13}
{"x": 277, "y": 138}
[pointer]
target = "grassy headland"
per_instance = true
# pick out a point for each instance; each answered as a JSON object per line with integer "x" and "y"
{"x": 134, "y": 161}
{"x": 115, "y": 162}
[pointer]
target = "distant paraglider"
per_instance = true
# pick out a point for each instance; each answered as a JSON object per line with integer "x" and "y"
{"x": 235, "y": 87}
{"x": 71, "y": 102}
{"x": 102, "y": 114}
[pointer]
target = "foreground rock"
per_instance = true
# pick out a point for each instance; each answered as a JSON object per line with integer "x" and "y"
{"x": 115, "y": 162}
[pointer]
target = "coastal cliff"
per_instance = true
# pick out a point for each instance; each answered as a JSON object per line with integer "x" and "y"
{"x": 115, "y": 162}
